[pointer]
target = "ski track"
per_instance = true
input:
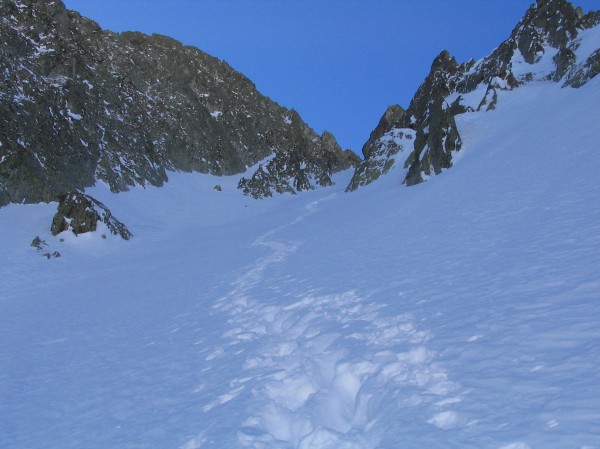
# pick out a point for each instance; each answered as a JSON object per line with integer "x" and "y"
{"x": 306, "y": 385}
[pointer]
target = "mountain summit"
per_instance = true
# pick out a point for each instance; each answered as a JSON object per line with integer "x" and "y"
{"x": 553, "y": 42}
{"x": 79, "y": 105}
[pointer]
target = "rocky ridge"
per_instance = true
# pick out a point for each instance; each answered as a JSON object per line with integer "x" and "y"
{"x": 79, "y": 105}
{"x": 299, "y": 167}
{"x": 546, "y": 45}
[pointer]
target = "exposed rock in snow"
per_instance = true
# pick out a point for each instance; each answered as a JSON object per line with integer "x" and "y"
{"x": 299, "y": 168}
{"x": 42, "y": 248}
{"x": 81, "y": 213}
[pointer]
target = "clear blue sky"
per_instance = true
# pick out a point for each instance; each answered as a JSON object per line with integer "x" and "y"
{"x": 339, "y": 63}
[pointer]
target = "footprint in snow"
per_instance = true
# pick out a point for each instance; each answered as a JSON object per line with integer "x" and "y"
{"x": 325, "y": 371}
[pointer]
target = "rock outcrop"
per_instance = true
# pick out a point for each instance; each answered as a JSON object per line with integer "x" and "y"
{"x": 42, "y": 248}
{"x": 546, "y": 45}
{"x": 79, "y": 104}
{"x": 80, "y": 213}
{"x": 299, "y": 167}
{"x": 383, "y": 153}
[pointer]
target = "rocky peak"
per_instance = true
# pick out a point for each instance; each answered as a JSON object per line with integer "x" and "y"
{"x": 547, "y": 36}
{"x": 392, "y": 118}
{"x": 433, "y": 119}
{"x": 547, "y": 25}
{"x": 444, "y": 63}
{"x": 432, "y": 91}
{"x": 553, "y": 22}
{"x": 79, "y": 104}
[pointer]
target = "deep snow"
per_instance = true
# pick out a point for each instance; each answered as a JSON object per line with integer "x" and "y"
{"x": 462, "y": 312}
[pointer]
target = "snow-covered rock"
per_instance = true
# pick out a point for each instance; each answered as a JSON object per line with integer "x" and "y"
{"x": 81, "y": 213}
{"x": 553, "y": 42}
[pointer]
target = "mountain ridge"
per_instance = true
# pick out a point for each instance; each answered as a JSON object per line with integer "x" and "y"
{"x": 126, "y": 108}
{"x": 79, "y": 104}
{"x": 548, "y": 25}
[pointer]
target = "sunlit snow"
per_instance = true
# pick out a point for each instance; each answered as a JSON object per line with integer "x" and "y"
{"x": 459, "y": 313}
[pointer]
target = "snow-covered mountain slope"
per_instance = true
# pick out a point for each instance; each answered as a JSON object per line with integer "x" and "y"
{"x": 555, "y": 41}
{"x": 460, "y": 313}
{"x": 80, "y": 104}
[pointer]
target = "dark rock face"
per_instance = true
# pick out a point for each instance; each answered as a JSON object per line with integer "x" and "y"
{"x": 383, "y": 155}
{"x": 586, "y": 71}
{"x": 81, "y": 213}
{"x": 433, "y": 119}
{"x": 549, "y": 26}
{"x": 79, "y": 104}
{"x": 299, "y": 167}
{"x": 392, "y": 118}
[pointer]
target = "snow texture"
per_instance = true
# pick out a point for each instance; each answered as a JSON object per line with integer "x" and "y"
{"x": 462, "y": 312}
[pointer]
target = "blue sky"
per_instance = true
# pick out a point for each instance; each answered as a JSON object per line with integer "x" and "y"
{"x": 339, "y": 63}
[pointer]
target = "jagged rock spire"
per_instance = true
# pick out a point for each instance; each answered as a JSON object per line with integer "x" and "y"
{"x": 392, "y": 118}
{"x": 549, "y": 29}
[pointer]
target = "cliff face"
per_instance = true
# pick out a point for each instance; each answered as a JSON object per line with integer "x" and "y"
{"x": 553, "y": 42}
{"x": 79, "y": 104}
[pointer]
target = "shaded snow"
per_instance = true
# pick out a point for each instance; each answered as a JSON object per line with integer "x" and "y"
{"x": 461, "y": 312}
{"x": 587, "y": 43}
{"x": 539, "y": 70}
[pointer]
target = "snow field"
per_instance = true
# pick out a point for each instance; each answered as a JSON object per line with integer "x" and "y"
{"x": 457, "y": 313}
{"x": 312, "y": 384}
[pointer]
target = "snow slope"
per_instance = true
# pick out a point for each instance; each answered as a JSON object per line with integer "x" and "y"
{"x": 462, "y": 312}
